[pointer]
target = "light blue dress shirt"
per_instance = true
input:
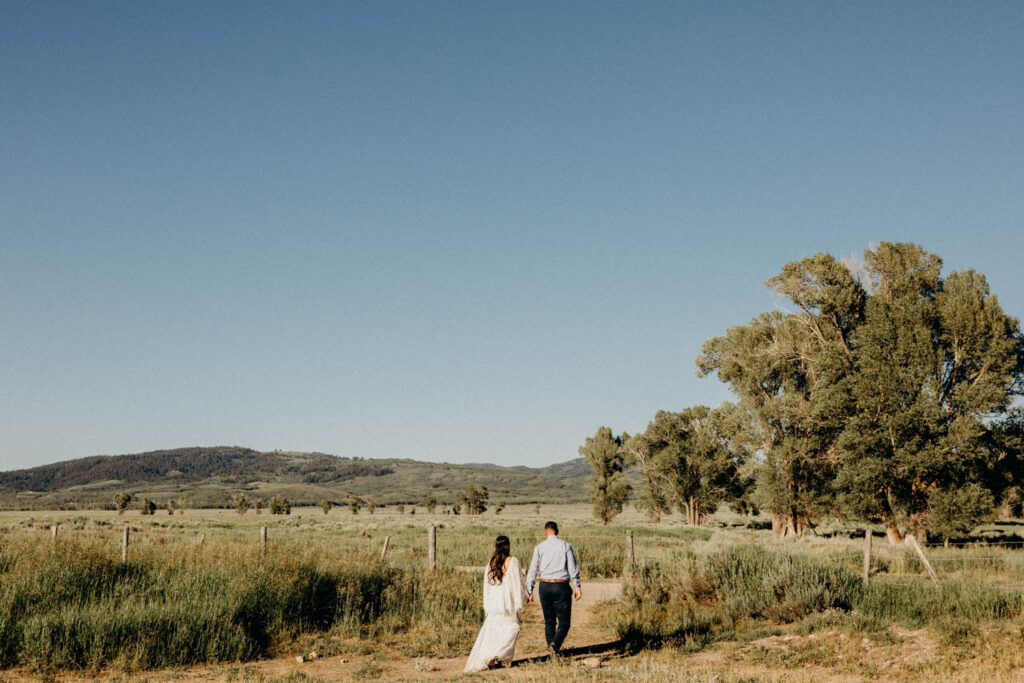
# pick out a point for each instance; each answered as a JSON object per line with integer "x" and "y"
{"x": 553, "y": 559}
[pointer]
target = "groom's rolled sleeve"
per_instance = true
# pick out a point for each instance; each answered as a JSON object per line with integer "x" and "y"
{"x": 574, "y": 570}
{"x": 531, "y": 576}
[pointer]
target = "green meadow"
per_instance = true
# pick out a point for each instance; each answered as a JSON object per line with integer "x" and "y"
{"x": 728, "y": 599}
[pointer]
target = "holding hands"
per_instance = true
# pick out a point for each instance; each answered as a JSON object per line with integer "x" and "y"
{"x": 576, "y": 594}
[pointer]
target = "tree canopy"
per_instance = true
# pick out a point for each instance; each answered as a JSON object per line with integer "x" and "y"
{"x": 608, "y": 487}
{"x": 473, "y": 499}
{"x": 883, "y": 389}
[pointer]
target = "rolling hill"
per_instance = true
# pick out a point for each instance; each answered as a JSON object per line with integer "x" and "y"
{"x": 207, "y": 477}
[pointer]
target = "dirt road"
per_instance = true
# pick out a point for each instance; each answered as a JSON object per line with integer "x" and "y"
{"x": 585, "y": 638}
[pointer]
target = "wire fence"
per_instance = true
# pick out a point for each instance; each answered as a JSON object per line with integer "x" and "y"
{"x": 600, "y": 555}
{"x": 604, "y": 554}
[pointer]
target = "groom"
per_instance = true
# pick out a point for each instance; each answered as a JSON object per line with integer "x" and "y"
{"x": 554, "y": 563}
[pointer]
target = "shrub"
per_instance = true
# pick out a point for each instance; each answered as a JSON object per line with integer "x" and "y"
{"x": 241, "y": 503}
{"x": 756, "y": 582}
{"x": 355, "y": 503}
{"x": 121, "y": 501}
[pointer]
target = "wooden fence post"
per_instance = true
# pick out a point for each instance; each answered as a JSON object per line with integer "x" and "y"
{"x": 384, "y": 550}
{"x": 920, "y": 553}
{"x": 431, "y": 547}
{"x": 53, "y": 531}
{"x": 867, "y": 556}
{"x": 263, "y": 539}
{"x": 124, "y": 545}
{"x": 630, "y": 556}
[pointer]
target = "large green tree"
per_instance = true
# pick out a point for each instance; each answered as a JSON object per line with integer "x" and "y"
{"x": 609, "y": 489}
{"x": 653, "y": 497}
{"x": 936, "y": 360}
{"x": 1007, "y": 478}
{"x": 693, "y": 463}
{"x": 868, "y": 394}
{"x": 791, "y": 373}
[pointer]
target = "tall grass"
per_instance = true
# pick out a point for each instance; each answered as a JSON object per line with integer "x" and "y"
{"x": 462, "y": 541}
{"x": 74, "y": 605}
{"x": 704, "y": 598}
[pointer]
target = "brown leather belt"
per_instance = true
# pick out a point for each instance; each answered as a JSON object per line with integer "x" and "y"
{"x": 553, "y": 580}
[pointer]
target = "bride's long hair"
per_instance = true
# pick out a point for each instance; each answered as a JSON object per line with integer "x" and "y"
{"x": 496, "y": 567}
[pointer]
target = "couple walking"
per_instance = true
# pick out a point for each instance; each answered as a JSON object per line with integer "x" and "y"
{"x": 554, "y": 565}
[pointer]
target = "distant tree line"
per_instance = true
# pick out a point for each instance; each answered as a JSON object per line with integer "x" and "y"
{"x": 472, "y": 499}
{"x": 278, "y": 505}
{"x": 325, "y": 474}
{"x": 881, "y": 392}
{"x": 149, "y": 507}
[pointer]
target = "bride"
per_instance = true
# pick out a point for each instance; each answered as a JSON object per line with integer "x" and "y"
{"x": 504, "y": 596}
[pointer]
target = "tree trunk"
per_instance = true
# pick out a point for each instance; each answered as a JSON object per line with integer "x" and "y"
{"x": 892, "y": 530}
{"x": 789, "y": 525}
{"x": 919, "y": 510}
{"x": 778, "y": 524}
{"x": 919, "y": 525}
{"x": 692, "y": 508}
{"x": 796, "y": 525}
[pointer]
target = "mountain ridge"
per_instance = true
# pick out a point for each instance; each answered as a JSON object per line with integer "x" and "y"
{"x": 208, "y": 476}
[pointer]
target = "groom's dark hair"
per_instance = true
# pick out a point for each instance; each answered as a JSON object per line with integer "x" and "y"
{"x": 552, "y": 526}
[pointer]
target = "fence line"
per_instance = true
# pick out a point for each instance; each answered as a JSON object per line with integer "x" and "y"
{"x": 623, "y": 545}
{"x": 972, "y": 544}
{"x": 131, "y": 535}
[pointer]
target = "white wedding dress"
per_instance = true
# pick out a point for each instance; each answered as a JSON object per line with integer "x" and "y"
{"x": 502, "y": 603}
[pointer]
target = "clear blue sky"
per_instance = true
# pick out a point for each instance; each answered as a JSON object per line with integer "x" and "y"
{"x": 459, "y": 231}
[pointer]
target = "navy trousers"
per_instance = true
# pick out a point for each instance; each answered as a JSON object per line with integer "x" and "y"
{"x": 556, "y": 603}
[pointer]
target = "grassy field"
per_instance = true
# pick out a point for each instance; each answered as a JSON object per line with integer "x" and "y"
{"x": 724, "y": 602}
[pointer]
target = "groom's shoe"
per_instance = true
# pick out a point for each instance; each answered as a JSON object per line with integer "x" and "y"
{"x": 553, "y": 653}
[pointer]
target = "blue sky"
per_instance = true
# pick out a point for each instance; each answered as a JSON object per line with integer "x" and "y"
{"x": 460, "y": 232}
